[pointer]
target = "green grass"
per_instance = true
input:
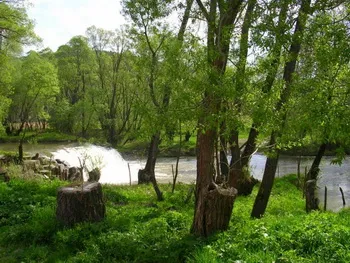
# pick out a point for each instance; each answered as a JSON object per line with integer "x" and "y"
{"x": 42, "y": 136}
{"x": 140, "y": 229}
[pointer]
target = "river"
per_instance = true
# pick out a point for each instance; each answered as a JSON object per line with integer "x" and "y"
{"x": 115, "y": 170}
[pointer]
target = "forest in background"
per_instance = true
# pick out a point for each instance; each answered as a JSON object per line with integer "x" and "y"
{"x": 275, "y": 68}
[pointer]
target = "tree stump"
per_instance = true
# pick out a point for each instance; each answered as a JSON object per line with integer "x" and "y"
{"x": 80, "y": 204}
{"x": 217, "y": 204}
{"x": 312, "y": 201}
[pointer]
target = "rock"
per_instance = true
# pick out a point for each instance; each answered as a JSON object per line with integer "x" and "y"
{"x": 55, "y": 171}
{"x": 94, "y": 175}
{"x": 64, "y": 174}
{"x": 47, "y": 161}
{"x": 36, "y": 157}
{"x": 31, "y": 165}
{"x": 74, "y": 174}
{"x": 45, "y": 172}
{"x": 62, "y": 162}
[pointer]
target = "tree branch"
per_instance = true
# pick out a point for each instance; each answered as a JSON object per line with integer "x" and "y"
{"x": 203, "y": 9}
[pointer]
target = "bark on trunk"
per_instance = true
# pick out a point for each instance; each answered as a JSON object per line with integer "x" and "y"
{"x": 311, "y": 180}
{"x": 80, "y": 204}
{"x": 312, "y": 201}
{"x": 289, "y": 69}
{"x": 215, "y": 210}
{"x": 214, "y": 204}
{"x": 236, "y": 174}
{"x": 250, "y": 146}
{"x": 147, "y": 175}
{"x": 263, "y": 195}
{"x": 315, "y": 167}
{"x": 270, "y": 78}
{"x": 224, "y": 166}
{"x": 239, "y": 176}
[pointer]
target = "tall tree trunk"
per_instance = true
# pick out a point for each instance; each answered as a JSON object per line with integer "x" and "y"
{"x": 311, "y": 180}
{"x": 238, "y": 177}
{"x": 213, "y": 206}
{"x": 147, "y": 175}
{"x": 315, "y": 167}
{"x": 265, "y": 188}
{"x": 224, "y": 166}
{"x": 250, "y": 145}
{"x": 289, "y": 69}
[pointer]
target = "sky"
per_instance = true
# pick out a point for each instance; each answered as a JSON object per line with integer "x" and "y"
{"x": 57, "y": 21}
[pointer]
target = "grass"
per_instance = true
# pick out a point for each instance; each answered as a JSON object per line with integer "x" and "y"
{"x": 46, "y": 136}
{"x": 140, "y": 229}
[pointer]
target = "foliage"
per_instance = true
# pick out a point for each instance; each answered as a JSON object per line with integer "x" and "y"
{"x": 35, "y": 90}
{"x": 16, "y": 29}
{"x": 139, "y": 229}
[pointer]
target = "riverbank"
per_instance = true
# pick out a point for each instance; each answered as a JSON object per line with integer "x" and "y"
{"x": 138, "y": 148}
{"x": 140, "y": 229}
{"x": 48, "y": 136}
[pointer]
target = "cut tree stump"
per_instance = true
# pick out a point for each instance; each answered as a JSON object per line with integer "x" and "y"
{"x": 216, "y": 209}
{"x": 80, "y": 204}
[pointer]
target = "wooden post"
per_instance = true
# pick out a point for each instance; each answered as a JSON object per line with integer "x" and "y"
{"x": 325, "y": 199}
{"x": 129, "y": 174}
{"x": 298, "y": 171}
{"x": 342, "y": 195}
{"x": 304, "y": 183}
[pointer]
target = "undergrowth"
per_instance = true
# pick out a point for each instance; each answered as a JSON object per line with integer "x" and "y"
{"x": 137, "y": 228}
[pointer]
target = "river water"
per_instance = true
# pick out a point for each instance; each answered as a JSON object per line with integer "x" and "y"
{"x": 114, "y": 169}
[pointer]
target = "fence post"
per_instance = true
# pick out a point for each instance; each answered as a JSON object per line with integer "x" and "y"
{"x": 325, "y": 199}
{"x": 342, "y": 195}
{"x": 129, "y": 174}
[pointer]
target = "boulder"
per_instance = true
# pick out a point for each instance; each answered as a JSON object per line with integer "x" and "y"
{"x": 74, "y": 174}
{"x": 94, "y": 175}
{"x": 33, "y": 165}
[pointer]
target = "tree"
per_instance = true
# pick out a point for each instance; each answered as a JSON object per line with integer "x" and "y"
{"x": 35, "y": 89}
{"x": 322, "y": 81}
{"x": 117, "y": 112}
{"x": 213, "y": 206}
{"x": 75, "y": 72}
{"x": 265, "y": 188}
{"x": 16, "y": 29}
{"x": 147, "y": 16}
{"x": 237, "y": 170}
